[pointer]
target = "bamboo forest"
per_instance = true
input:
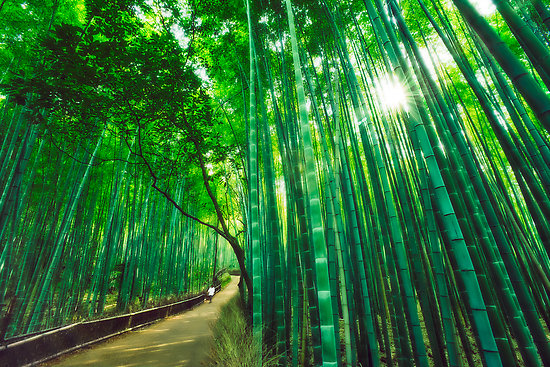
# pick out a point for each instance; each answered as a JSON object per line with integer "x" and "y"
{"x": 377, "y": 171}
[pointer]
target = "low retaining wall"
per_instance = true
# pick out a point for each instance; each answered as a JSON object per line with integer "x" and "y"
{"x": 29, "y": 350}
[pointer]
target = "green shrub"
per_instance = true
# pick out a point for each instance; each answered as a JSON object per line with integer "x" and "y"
{"x": 225, "y": 279}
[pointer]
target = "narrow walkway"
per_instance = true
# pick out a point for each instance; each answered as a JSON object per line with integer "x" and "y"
{"x": 180, "y": 340}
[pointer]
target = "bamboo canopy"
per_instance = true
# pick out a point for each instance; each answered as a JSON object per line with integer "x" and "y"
{"x": 378, "y": 171}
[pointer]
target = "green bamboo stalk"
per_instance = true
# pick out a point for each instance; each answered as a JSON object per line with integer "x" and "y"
{"x": 254, "y": 236}
{"x": 318, "y": 237}
{"x": 523, "y": 81}
{"x": 59, "y": 244}
{"x": 537, "y": 52}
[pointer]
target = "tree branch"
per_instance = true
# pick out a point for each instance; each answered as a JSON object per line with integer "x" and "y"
{"x": 165, "y": 193}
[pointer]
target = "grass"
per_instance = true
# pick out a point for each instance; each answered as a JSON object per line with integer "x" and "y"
{"x": 233, "y": 344}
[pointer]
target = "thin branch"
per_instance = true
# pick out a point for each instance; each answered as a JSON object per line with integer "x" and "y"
{"x": 205, "y": 178}
{"x": 165, "y": 193}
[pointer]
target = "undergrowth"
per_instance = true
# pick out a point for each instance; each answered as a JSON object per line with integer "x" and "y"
{"x": 233, "y": 344}
{"x": 225, "y": 279}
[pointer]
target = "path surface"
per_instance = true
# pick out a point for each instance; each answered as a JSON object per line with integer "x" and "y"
{"x": 180, "y": 340}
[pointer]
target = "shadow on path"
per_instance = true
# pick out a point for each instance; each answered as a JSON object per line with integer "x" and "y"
{"x": 180, "y": 340}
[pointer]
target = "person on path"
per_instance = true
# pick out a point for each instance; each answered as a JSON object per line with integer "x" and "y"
{"x": 210, "y": 293}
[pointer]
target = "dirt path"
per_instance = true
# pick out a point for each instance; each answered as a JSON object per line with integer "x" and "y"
{"x": 180, "y": 340}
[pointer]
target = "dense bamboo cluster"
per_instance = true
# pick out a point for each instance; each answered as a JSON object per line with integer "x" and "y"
{"x": 95, "y": 219}
{"x": 410, "y": 230}
{"x": 82, "y": 239}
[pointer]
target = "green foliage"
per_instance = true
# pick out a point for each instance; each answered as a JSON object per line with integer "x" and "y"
{"x": 25, "y": 22}
{"x": 225, "y": 279}
{"x": 118, "y": 70}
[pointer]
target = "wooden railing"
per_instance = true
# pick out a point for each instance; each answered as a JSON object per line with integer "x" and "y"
{"x": 32, "y": 349}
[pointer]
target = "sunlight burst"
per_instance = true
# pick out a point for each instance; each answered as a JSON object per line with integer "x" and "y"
{"x": 391, "y": 94}
{"x": 484, "y": 7}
